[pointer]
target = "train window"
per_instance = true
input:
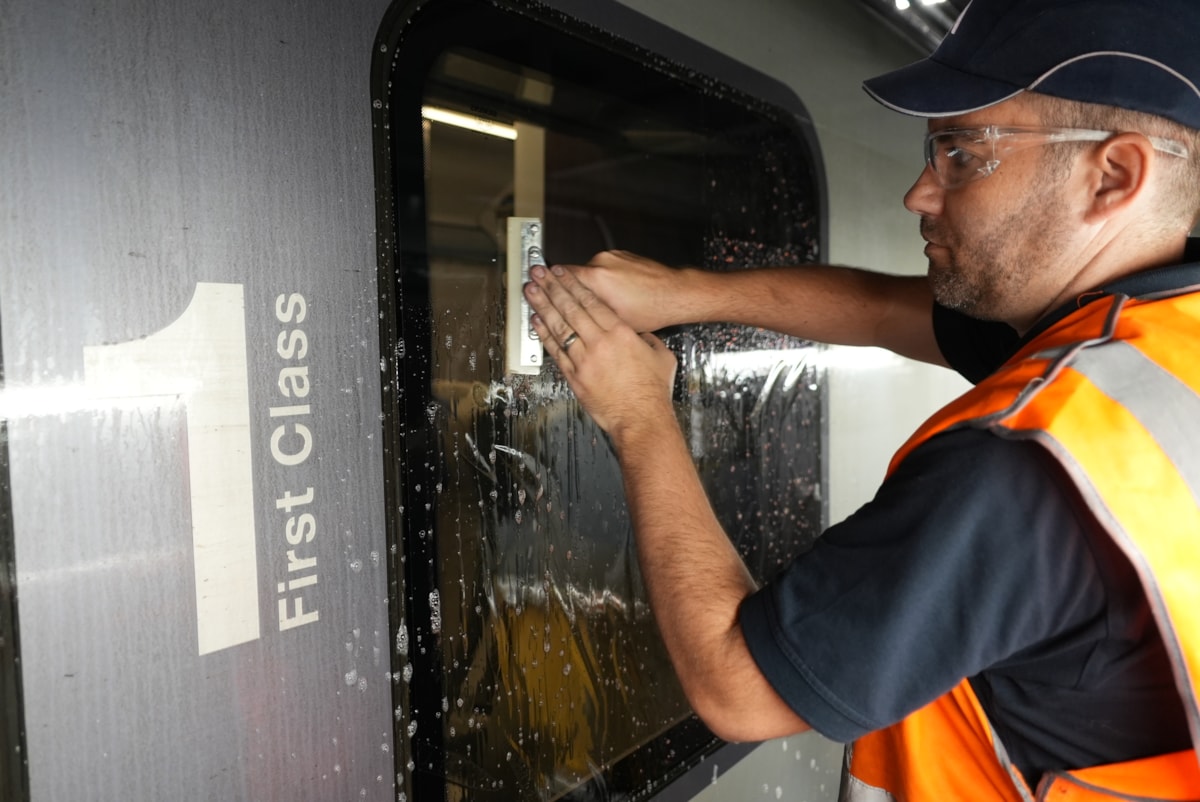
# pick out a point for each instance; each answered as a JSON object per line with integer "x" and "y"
{"x": 527, "y": 662}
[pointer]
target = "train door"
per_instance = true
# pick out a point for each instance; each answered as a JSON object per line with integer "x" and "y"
{"x": 527, "y": 664}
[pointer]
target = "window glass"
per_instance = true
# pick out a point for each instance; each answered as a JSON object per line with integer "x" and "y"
{"x": 534, "y": 666}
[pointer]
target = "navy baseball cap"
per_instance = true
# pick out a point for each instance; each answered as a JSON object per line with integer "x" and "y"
{"x": 1142, "y": 55}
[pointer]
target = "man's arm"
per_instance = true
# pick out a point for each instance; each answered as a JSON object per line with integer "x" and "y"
{"x": 696, "y": 581}
{"x": 837, "y": 305}
{"x": 695, "y": 578}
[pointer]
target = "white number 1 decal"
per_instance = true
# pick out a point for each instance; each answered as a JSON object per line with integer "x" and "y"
{"x": 200, "y": 358}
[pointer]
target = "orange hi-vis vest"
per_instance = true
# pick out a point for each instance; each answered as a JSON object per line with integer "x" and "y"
{"x": 1113, "y": 393}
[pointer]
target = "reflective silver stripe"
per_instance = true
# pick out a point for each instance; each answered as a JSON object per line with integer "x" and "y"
{"x": 1167, "y": 407}
{"x": 1014, "y": 773}
{"x": 854, "y": 789}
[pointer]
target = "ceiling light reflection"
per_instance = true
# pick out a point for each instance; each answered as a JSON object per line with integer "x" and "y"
{"x": 470, "y": 123}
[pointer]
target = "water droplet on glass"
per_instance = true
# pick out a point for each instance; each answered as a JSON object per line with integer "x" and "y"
{"x": 435, "y": 612}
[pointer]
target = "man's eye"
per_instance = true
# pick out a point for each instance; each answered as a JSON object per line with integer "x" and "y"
{"x": 960, "y": 157}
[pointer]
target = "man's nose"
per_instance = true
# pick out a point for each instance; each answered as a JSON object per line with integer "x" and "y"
{"x": 926, "y": 195}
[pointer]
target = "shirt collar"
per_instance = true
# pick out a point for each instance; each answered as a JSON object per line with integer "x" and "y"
{"x": 1138, "y": 285}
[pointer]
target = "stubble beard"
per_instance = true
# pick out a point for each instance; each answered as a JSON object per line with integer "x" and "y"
{"x": 988, "y": 278}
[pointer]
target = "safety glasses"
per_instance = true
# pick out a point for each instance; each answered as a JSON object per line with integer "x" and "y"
{"x": 961, "y": 155}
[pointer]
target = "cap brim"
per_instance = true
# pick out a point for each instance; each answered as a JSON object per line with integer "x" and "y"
{"x": 930, "y": 89}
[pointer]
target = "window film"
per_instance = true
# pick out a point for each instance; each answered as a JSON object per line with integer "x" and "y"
{"x": 528, "y": 663}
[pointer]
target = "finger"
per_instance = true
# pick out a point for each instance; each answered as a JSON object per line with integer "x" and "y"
{"x": 664, "y": 355}
{"x": 608, "y": 257}
{"x": 652, "y": 340}
{"x": 548, "y": 321}
{"x": 581, "y": 308}
{"x": 561, "y": 348}
{"x": 656, "y": 345}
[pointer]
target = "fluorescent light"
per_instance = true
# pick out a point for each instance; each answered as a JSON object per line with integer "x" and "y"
{"x": 470, "y": 123}
{"x": 902, "y": 5}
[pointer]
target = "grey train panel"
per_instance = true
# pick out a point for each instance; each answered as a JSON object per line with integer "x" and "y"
{"x": 188, "y": 303}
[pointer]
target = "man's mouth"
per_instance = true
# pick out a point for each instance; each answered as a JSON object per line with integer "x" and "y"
{"x": 930, "y": 235}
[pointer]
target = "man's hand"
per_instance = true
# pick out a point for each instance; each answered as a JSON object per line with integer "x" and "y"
{"x": 644, "y": 293}
{"x": 622, "y": 378}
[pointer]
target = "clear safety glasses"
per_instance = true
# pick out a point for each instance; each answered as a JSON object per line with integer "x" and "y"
{"x": 961, "y": 155}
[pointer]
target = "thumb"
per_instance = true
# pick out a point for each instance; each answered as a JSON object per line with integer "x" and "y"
{"x": 665, "y": 357}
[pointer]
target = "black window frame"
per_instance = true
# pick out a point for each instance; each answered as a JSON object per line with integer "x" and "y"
{"x": 400, "y": 51}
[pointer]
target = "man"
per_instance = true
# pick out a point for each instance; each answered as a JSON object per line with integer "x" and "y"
{"x": 1017, "y": 612}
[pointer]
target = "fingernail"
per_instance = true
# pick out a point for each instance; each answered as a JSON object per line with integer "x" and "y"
{"x": 558, "y": 270}
{"x": 538, "y": 271}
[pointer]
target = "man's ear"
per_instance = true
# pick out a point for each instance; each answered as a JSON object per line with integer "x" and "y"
{"x": 1118, "y": 172}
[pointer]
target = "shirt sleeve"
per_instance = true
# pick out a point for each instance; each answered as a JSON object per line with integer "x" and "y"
{"x": 970, "y": 552}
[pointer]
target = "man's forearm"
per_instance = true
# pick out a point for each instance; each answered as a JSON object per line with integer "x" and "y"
{"x": 696, "y": 581}
{"x": 825, "y": 303}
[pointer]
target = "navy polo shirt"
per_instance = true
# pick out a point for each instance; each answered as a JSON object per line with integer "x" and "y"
{"x": 977, "y": 559}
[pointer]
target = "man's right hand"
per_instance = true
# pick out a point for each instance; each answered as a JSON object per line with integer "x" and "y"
{"x": 644, "y": 293}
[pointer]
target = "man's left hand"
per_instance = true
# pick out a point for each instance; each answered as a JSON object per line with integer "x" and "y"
{"x": 622, "y": 378}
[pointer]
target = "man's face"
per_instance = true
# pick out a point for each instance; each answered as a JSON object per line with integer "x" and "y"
{"x": 997, "y": 247}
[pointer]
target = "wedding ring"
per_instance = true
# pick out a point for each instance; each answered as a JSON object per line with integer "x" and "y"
{"x": 569, "y": 341}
